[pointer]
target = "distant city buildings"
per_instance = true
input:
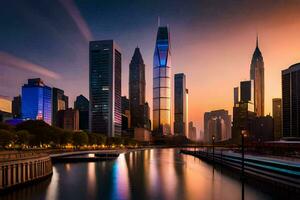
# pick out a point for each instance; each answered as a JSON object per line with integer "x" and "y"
{"x": 217, "y": 123}
{"x": 162, "y": 83}
{"x": 37, "y": 101}
{"x": 126, "y": 118}
{"x": 192, "y": 131}
{"x": 180, "y": 105}
{"x": 277, "y": 116}
{"x": 291, "y": 101}
{"x": 82, "y": 105}
{"x": 59, "y": 102}
{"x": 257, "y": 74}
{"x": 105, "y": 88}
{"x": 5, "y": 109}
{"x": 68, "y": 119}
{"x": 17, "y": 107}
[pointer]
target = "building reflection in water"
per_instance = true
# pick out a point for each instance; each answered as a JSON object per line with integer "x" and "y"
{"x": 120, "y": 188}
{"x": 52, "y": 190}
{"x": 91, "y": 179}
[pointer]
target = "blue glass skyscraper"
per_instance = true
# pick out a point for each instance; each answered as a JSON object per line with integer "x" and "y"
{"x": 162, "y": 83}
{"x": 37, "y": 101}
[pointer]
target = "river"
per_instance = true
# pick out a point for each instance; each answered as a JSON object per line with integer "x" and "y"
{"x": 141, "y": 175}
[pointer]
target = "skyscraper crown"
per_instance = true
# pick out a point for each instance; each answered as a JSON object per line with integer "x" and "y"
{"x": 137, "y": 56}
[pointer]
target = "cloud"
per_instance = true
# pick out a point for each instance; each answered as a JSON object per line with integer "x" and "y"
{"x": 13, "y": 61}
{"x": 75, "y": 14}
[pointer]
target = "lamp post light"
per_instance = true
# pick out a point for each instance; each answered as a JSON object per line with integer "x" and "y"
{"x": 243, "y": 134}
{"x": 213, "y": 143}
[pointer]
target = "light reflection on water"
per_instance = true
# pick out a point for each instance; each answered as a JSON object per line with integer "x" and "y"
{"x": 149, "y": 174}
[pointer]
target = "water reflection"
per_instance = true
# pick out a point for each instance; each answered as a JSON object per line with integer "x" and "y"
{"x": 149, "y": 174}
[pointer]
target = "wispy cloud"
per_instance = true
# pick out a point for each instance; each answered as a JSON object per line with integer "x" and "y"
{"x": 75, "y": 14}
{"x": 13, "y": 61}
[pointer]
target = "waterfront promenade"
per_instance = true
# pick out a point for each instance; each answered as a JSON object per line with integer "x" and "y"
{"x": 22, "y": 168}
{"x": 284, "y": 173}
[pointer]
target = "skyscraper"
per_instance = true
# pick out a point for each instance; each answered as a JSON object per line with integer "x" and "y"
{"x": 180, "y": 105}
{"x": 37, "y": 101}
{"x": 257, "y": 74}
{"x": 277, "y": 116}
{"x": 291, "y": 101}
{"x": 192, "y": 135}
{"x": 105, "y": 87}
{"x": 246, "y": 91}
{"x": 82, "y": 105}
{"x": 162, "y": 83}
{"x": 16, "y": 106}
{"x": 137, "y": 86}
{"x": 59, "y": 102}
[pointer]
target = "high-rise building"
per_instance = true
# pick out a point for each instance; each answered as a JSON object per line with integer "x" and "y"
{"x": 277, "y": 117}
{"x": 247, "y": 91}
{"x": 126, "y": 117}
{"x": 162, "y": 83}
{"x": 236, "y": 96}
{"x": 291, "y": 101}
{"x": 180, "y": 105}
{"x": 105, "y": 88}
{"x": 68, "y": 119}
{"x": 59, "y": 102}
{"x": 217, "y": 123}
{"x": 16, "y": 106}
{"x": 82, "y": 105}
{"x": 137, "y": 85}
{"x": 257, "y": 74}
{"x": 192, "y": 131}
{"x": 37, "y": 101}
{"x": 5, "y": 104}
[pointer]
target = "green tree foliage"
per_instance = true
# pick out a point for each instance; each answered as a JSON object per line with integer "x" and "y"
{"x": 6, "y": 137}
{"x": 80, "y": 138}
{"x": 23, "y": 137}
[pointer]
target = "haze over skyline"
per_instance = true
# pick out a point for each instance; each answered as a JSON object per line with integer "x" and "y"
{"x": 212, "y": 43}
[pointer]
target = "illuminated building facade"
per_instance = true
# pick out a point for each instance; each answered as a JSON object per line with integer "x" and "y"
{"x": 105, "y": 88}
{"x": 37, "y": 101}
{"x": 162, "y": 83}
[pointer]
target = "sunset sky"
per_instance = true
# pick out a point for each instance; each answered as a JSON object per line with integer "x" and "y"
{"x": 212, "y": 42}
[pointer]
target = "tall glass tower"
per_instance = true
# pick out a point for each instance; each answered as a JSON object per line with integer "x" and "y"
{"x": 162, "y": 83}
{"x": 105, "y": 88}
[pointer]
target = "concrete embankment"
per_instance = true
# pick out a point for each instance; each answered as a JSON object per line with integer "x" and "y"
{"x": 24, "y": 168}
{"x": 274, "y": 172}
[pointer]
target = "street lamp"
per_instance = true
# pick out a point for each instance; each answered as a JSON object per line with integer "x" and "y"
{"x": 213, "y": 143}
{"x": 243, "y": 134}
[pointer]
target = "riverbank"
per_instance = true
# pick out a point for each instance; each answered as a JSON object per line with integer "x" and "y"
{"x": 278, "y": 174}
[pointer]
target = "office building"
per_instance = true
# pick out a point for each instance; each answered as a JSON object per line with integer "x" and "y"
{"x": 59, "y": 102}
{"x": 291, "y": 101}
{"x": 192, "y": 131}
{"x": 162, "y": 83}
{"x": 217, "y": 123}
{"x": 180, "y": 105}
{"x": 82, "y": 105}
{"x": 257, "y": 74}
{"x": 68, "y": 119}
{"x": 37, "y": 101}
{"x": 247, "y": 91}
{"x": 277, "y": 117}
{"x": 137, "y": 86}
{"x": 105, "y": 88}
{"x": 16, "y": 107}
{"x": 236, "y": 96}
{"x": 5, "y": 104}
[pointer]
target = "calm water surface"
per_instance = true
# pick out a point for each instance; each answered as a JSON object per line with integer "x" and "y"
{"x": 149, "y": 174}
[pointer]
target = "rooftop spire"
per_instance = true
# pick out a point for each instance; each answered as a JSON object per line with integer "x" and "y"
{"x": 257, "y": 40}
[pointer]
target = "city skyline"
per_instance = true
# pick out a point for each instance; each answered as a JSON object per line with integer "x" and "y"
{"x": 58, "y": 71}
